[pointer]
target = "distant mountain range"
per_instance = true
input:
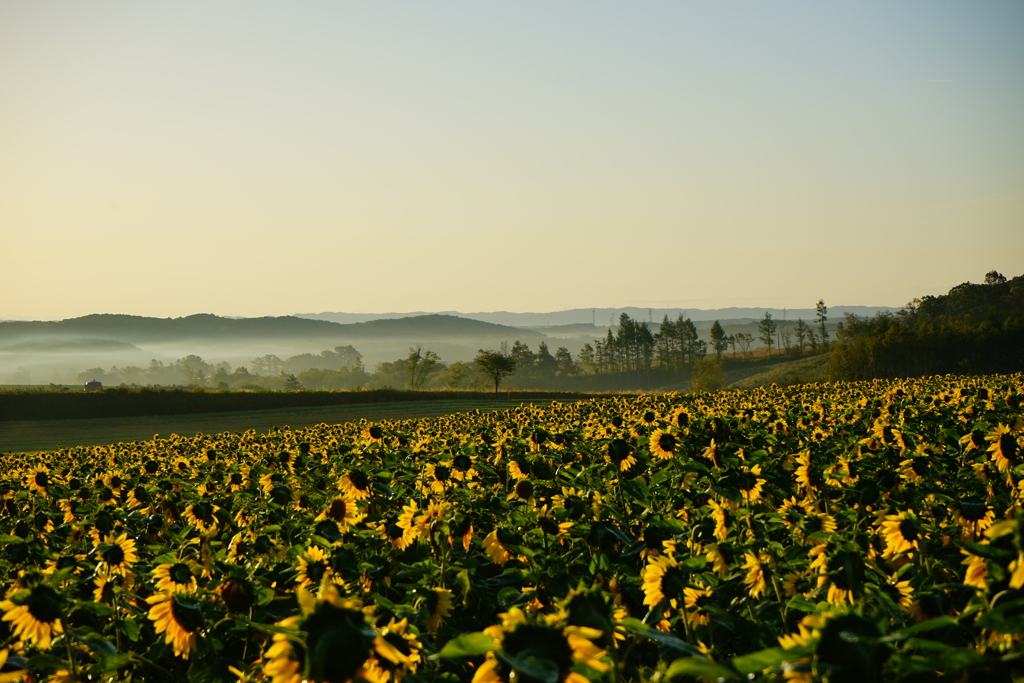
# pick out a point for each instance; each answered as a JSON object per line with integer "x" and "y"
{"x": 603, "y": 317}
{"x": 60, "y": 349}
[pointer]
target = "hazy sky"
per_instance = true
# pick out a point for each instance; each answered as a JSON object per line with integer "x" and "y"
{"x": 260, "y": 158}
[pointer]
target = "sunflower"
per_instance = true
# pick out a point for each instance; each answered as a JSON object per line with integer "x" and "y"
{"x": 663, "y": 580}
{"x": 434, "y": 515}
{"x": 34, "y": 615}
{"x": 977, "y": 570}
{"x": 1004, "y": 448}
{"x": 495, "y": 548}
{"x": 798, "y": 583}
{"x": 721, "y": 517}
{"x": 816, "y": 523}
{"x": 202, "y": 515}
{"x": 373, "y": 434}
{"x": 711, "y": 453}
{"x": 403, "y": 641}
{"x": 556, "y": 649}
{"x": 356, "y": 484}
{"x": 436, "y": 477}
{"x": 901, "y": 592}
{"x": 237, "y": 480}
{"x": 793, "y": 511}
{"x": 681, "y": 418}
{"x": 177, "y": 577}
{"x": 179, "y": 616}
{"x": 903, "y": 534}
{"x": 463, "y": 467}
{"x": 751, "y": 484}
{"x": 1016, "y": 569}
{"x": 439, "y": 607}
{"x": 620, "y": 453}
{"x": 314, "y": 567}
{"x": 754, "y": 579}
{"x": 115, "y": 481}
{"x": 343, "y": 510}
{"x": 974, "y": 516}
{"x": 139, "y": 497}
{"x": 662, "y": 444}
{"x": 696, "y": 599}
{"x": 337, "y": 647}
{"x": 104, "y": 582}
{"x": 118, "y": 554}
{"x": 38, "y": 479}
{"x": 720, "y": 555}
{"x": 803, "y": 472}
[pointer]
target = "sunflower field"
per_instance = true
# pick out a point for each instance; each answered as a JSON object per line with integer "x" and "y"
{"x": 862, "y": 532}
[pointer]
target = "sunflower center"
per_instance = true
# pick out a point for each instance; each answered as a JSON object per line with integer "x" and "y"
{"x": 359, "y": 479}
{"x": 747, "y": 481}
{"x": 667, "y": 442}
{"x": 180, "y": 573}
{"x": 338, "y": 642}
{"x": 442, "y": 473}
{"x": 909, "y": 530}
{"x": 338, "y": 510}
{"x": 1008, "y": 446}
{"x": 114, "y": 555}
{"x": 186, "y": 613}
{"x": 42, "y": 480}
{"x": 44, "y": 605}
{"x": 972, "y": 511}
{"x": 376, "y": 433}
{"x": 462, "y": 463}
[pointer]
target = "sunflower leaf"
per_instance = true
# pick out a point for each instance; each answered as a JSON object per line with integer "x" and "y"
{"x": 694, "y": 666}
{"x": 467, "y": 645}
{"x": 112, "y": 663}
{"x": 533, "y": 667}
{"x": 756, "y": 662}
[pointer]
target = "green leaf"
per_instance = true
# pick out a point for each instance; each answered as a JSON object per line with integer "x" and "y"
{"x": 665, "y": 639}
{"x": 45, "y": 664}
{"x": 96, "y": 608}
{"x": 924, "y": 627}
{"x": 694, "y": 666}
{"x": 799, "y": 602}
{"x": 11, "y": 540}
{"x": 532, "y": 667}
{"x": 756, "y": 662}
{"x": 467, "y": 645}
{"x": 1007, "y": 618}
{"x": 112, "y": 663}
{"x": 130, "y": 628}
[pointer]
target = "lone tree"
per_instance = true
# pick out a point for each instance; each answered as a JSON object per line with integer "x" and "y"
{"x": 767, "y": 328}
{"x": 495, "y": 365}
{"x": 821, "y": 317}
{"x": 719, "y": 340}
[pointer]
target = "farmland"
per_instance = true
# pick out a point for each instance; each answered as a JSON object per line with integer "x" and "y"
{"x": 843, "y": 532}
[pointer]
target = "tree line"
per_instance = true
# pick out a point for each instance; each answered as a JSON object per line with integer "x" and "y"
{"x": 973, "y": 329}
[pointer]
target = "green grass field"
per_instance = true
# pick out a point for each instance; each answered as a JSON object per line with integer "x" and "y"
{"x": 39, "y": 435}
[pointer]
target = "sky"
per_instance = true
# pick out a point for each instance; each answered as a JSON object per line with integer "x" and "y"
{"x": 258, "y": 158}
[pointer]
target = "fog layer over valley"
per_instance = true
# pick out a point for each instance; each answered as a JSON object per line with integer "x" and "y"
{"x": 221, "y": 352}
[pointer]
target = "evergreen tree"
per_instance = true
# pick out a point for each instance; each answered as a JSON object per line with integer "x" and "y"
{"x": 767, "y": 328}
{"x": 719, "y": 340}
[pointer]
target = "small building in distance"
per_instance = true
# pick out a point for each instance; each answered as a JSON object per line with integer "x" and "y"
{"x": 93, "y": 385}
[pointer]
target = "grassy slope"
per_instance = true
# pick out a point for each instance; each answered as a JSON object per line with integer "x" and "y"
{"x": 37, "y": 435}
{"x": 802, "y": 371}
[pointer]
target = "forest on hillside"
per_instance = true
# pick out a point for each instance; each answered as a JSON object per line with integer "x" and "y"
{"x": 974, "y": 329}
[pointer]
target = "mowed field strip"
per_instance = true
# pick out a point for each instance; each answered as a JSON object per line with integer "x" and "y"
{"x": 39, "y": 435}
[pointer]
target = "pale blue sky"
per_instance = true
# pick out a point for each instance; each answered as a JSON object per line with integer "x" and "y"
{"x": 266, "y": 158}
